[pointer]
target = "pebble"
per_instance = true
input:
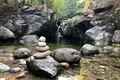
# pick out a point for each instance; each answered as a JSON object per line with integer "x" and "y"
{"x": 21, "y": 75}
{"x": 15, "y": 70}
{"x": 65, "y": 65}
{"x": 42, "y": 39}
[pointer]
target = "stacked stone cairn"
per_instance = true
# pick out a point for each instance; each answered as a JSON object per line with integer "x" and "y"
{"x": 42, "y": 49}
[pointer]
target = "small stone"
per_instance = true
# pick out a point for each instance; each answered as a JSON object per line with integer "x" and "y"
{"x": 22, "y": 62}
{"x": 42, "y": 44}
{"x": 42, "y": 39}
{"x": 15, "y": 70}
{"x": 89, "y": 49}
{"x": 108, "y": 49}
{"x": 21, "y": 75}
{"x": 42, "y": 49}
{"x": 65, "y": 65}
{"x": 116, "y": 50}
{"x": 40, "y": 55}
{"x": 4, "y": 67}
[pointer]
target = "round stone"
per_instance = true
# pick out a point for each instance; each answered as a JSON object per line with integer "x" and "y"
{"x": 42, "y": 44}
{"x": 116, "y": 50}
{"x": 42, "y": 49}
{"x": 40, "y": 55}
{"x": 42, "y": 39}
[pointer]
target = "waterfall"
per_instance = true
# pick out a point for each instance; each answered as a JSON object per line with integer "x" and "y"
{"x": 59, "y": 34}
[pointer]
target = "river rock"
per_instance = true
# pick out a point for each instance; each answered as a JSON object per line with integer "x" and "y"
{"x": 22, "y": 53}
{"x": 6, "y": 33}
{"x": 15, "y": 70}
{"x": 29, "y": 39}
{"x": 107, "y": 49}
{"x": 40, "y": 55}
{"x": 66, "y": 55}
{"x": 42, "y": 49}
{"x": 43, "y": 67}
{"x": 98, "y": 33}
{"x": 88, "y": 50}
{"x": 42, "y": 44}
{"x": 4, "y": 67}
{"x": 42, "y": 39}
{"x": 116, "y": 36}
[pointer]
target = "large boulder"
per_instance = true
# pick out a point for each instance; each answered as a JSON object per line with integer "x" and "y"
{"x": 22, "y": 53}
{"x": 6, "y": 33}
{"x": 66, "y": 55}
{"x": 116, "y": 36}
{"x": 35, "y": 22}
{"x": 98, "y": 33}
{"x": 43, "y": 67}
{"x": 29, "y": 39}
{"x": 89, "y": 50}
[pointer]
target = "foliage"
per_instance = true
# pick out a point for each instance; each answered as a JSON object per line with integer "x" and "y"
{"x": 58, "y": 6}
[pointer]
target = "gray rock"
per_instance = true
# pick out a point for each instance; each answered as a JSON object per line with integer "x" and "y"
{"x": 22, "y": 53}
{"x": 34, "y": 27}
{"x": 98, "y": 33}
{"x": 6, "y": 33}
{"x": 66, "y": 55}
{"x": 116, "y": 36}
{"x": 31, "y": 18}
{"x": 10, "y": 25}
{"x": 43, "y": 67}
{"x": 15, "y": 70}
{"x": 4, "y": 67}
{"x": 107, "y": 49}
{"x": 102, "y": 3}
{"x": 21, "y": 26}
{"x": 89, "y": 50}
{"x": 29, "y": 39}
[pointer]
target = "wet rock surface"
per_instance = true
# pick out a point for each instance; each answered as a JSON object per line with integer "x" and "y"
{"x": 89, "y": 50}
{"x": 43, "y": 67}
{"x": 22, "y": 53}
{"x": 100, "y": 67}
{"x": 66, "y": 55}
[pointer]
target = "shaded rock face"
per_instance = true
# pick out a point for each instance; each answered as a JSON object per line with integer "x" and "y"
{"x": 29, "y": 39}
{"x": 116, "y": 36}
{"x": 22, "y": 53}
{"x": 89, "y": 50}
{"x": 73, "y": 29}
{"x": 6, "y": 34}
{"x": 43, "y": 67}
{"x": 66, "y": 55}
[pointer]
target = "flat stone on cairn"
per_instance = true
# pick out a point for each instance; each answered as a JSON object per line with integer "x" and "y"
{"x": 42, "y": 48}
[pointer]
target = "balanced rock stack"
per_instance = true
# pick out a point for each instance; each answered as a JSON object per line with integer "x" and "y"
{"x": 42, "y": 48}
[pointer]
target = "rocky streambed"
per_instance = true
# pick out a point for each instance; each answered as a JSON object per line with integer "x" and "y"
{"x": 6, "y": 57}
{"x": 98, "y": 67}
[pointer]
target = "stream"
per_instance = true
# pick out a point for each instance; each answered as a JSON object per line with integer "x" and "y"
{"x": 8, "y": 49}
